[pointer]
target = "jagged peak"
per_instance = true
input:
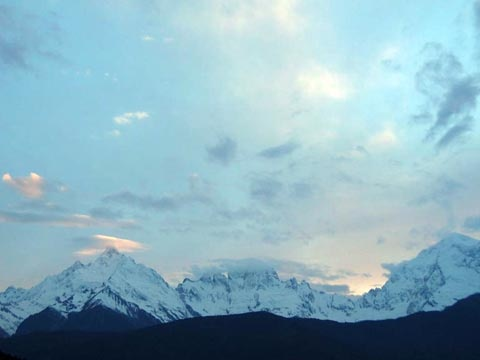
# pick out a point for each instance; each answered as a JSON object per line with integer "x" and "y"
{"x": 110, "y": 251}
{"x": 77, "y": 265}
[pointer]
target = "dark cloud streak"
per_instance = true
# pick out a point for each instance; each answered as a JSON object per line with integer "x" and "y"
{"x": 25, "y": 36}
{"x": 265, "y": 189}
{"x": 162, "y": 203}
{"x": 451, "y": 95}
{"x": 279, "y": 151}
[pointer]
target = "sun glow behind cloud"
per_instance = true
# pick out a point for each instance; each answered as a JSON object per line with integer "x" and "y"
{"x": 106, "y": 241}
{"x": 319, "y": 82}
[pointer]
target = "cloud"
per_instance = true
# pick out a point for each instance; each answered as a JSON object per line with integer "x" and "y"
{"x": 162, "y": 203}
{"x": 31, "y": 186}
{"x": 265, "y": 189}
{"x": 198, "y": 193}
{"x": 314, "y": 273}
{"x": 384, "y": 138}
{"x": 460, "y": 99}
{"x": 223, "y": 152}
{"x": 61, "y": 220}
{"x": 105, "y": 241}
{"x": 318, "y": 82}
{"x": 472, "y": 223}
{"x": 279, "y": 150}
{"x": 128, "y": 117}
{"x": 440, "y": 69}
{"x": 39, "y": 206}
{"x": 451, "y": 96}
{"x": 423, "y": 117}
{"x": 25, "y": 36}
{"x": 243, "y": 213}
{"x": 456, "y": 132}
{"x": 105, "y": 213}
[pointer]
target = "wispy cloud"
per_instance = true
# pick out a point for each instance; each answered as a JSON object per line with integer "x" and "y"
{"x": 198, "y": 193}
{"x": 279, "y": 151}
{"x": 31, "y": 186}
{"x": 61, "y": 220}
{"x": 128, "y": 117}
{"x": 148, "y": 38}
{"x": 160, "y": 203}
{"x": 265, "y": 189}
{"x": 105, "y": 241}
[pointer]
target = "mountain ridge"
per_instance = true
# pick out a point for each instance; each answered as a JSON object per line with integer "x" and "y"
{"x": 436, "y": 278}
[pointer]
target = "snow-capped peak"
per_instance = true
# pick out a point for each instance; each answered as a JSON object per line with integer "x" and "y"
{"x": 110, "y": 251}
{"x": 438, "y": 277}
{"x": 112, "y": 280}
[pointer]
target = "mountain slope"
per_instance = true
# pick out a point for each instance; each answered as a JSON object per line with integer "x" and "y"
{"x": 449, "y": 334}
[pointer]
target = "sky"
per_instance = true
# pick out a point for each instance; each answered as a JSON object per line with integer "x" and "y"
{"x": 322, "y": 138}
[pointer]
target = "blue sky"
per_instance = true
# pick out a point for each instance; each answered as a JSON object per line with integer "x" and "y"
{"x": 325, "y": 138}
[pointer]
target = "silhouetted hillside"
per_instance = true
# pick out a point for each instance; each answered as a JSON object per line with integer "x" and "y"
{"x": 96, "y": 319}
{"x": 450, "y": 334}
{"x": 4, "y": 356}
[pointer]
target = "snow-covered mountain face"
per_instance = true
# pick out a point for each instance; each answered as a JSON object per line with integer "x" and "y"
{"x": 241, "y": 292}
{"x": 436, "y": 278}
{"x": 113, "y": 280}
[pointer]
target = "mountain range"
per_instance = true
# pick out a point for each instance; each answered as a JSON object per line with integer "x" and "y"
{"x": 114, "y": 293}
{"x": 436, "y": 335}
